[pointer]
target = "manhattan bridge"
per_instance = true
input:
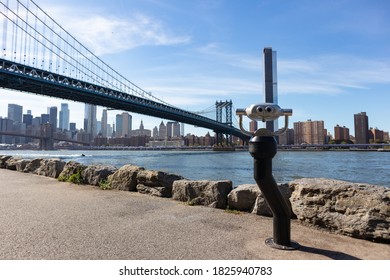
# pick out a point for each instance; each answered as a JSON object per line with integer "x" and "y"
{"x": 39, "y": 56}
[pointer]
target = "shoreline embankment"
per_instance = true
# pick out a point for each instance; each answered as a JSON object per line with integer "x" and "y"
{"x": 357, "y": 210}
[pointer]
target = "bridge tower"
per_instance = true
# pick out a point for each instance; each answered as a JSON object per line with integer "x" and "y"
{"x": 47, "y": 132}
{"x": 220, "y": 106}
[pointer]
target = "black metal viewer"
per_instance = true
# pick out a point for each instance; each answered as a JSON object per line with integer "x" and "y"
{"x": 263, "y": 148}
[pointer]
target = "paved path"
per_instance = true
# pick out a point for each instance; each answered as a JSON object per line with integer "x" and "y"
{"x": 41, "y": 218}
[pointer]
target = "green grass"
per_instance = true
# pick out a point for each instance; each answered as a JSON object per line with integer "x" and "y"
{"x": 105, "y": 185}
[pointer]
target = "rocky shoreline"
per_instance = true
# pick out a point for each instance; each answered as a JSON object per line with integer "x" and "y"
{"x": 357, "y": 210}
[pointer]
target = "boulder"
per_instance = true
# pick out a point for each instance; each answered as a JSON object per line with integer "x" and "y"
{"x": 208, "y": 193}
{"x": 95, "y": 174}
{"x": 50, "y": 168}
{"x": 243, "y": 197}
{"x": 261, "y": 206}
{"x": 3, "y": 160}
{"x": 154, "y": 191}
{"x": 357, "y": 210}
{"x": 21, "y": 164}
{"x": 33, "y": 165}
{"x": 159, "y": 181}
{"x": 11, "y": 163}
{"x": 71, "y": 168}
{"x": 125, "y": 178}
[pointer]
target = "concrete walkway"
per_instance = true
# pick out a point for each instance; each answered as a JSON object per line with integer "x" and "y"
{"x": 41, "y": 218}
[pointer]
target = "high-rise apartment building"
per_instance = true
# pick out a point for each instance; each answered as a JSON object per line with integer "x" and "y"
{"x": 361, "y": 128}
{"x": 377, "y": 135}
{"x": 253, "y": 125}
{"x": 270, "y": 83}
{"x": 341, "y": 133}
{"x": 309, "y": 132}
{"x": 287, "y": 138}
{"x": 64, "y": 117}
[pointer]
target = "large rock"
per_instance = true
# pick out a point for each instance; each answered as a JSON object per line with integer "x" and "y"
{"x": 50, "y": 168}
{"x": 156, "y": 183}
{"x": 125, "y": 178}
{"x": 261, "y": 205}
{"x": 33, "y": 165}
{"x": 21, "y": 164}
{"x": 207, "y": 193}
{"x": 17, "y": 164}
{"x": 71, "y": 168}
{"x": 95, "y": 174}
{"x": 357, "y": 210}
{"x": 243, "y": 197}
{"x": 11, "y": 163}
{"x": 3, "y": 160}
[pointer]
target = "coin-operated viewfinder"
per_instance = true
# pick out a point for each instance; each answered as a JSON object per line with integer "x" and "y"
{"x": 264, "y": 112}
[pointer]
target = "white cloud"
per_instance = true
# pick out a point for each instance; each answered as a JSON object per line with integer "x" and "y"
{"x": 330, "y": 74}
{"x": 104, "y": 34}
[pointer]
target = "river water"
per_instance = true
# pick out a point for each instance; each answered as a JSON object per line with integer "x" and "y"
{"x": 360, "y": 167}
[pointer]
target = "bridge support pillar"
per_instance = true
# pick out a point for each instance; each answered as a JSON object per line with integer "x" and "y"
{"x": 46, "y": 142}
{"x": 227, "y": 139}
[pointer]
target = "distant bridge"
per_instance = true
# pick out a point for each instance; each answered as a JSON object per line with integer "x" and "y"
{"x": 46, "y": 142}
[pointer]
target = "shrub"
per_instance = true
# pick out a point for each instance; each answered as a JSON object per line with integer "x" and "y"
{"x": 75, "y": 178}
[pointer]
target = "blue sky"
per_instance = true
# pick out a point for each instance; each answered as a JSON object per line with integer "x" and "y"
{"x": 333, "y": 56}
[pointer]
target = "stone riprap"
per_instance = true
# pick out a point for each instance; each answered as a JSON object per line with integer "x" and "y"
{"x": 96, "y": 174}
{"x": 125, "y": 178}
{"x": 208, "y": 193}
{"x": 50, "y": 168}
{"x": 71, "y": 168}
{"x": 156, "y": 183}
{"x": 249, "y": 198}
{"x": 33, "y": 165}
{"x": 356, "y": 210}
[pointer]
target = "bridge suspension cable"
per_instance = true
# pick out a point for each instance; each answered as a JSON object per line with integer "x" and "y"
{"x": 44, "y": 44}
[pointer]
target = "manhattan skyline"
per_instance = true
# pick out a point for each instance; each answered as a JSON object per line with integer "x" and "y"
{"x": 333, "y": 58}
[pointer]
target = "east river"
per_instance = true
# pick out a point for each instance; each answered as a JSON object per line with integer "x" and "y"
{"x": 360, "y": 167}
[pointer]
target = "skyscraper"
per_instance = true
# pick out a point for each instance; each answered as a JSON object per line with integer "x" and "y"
{"x": 361, "y": 128}
{"x": 118, "y": 125}
{"x": 90, "y": 120}
{"x": 104, "y": 123}
{"x": 127, "y": 125}
{"x": 123, "y": 124}
{"x": 162, "y": 131}
{"x": 64, "y": 117}
{"x": 173, "y": 129}
{"x": 15, "y": 113}
{"x": 270, "y": 83}
{"x": 52, "y": 111}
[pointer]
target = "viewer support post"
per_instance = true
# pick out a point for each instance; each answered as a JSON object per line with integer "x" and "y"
{"x": 263, "y": 148}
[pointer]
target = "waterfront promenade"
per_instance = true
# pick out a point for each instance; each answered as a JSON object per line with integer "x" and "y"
{"x": 41, "y": 218}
